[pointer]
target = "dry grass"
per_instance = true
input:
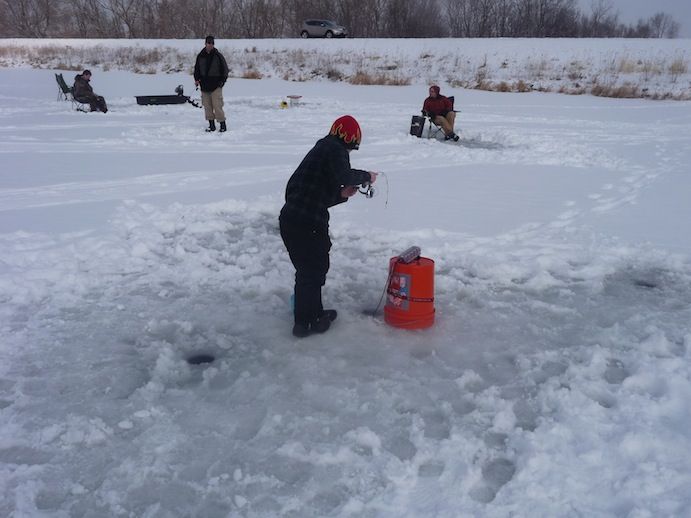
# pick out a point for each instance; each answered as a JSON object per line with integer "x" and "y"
{"x": 481, "y": 74}
{"x": 251, "y": 73}
{"x": 334, "y": 74}
{"x": 147, "y": 57}
{"x": 538, "y": 68}
{"x": 678, "y": 67}
{"x": 626, "y": 66}
{"x": 522, "y": 86}
{"x": 652, "y": 68}
{"x": 626, "y": 91}
{"x": 576, "y": 71}
{"x": 647, "y": 67}
{"x": 365, "y": 78}
{"x": 72, "y": 66}
{"x": 568, "y": 90}
{"x": 671, "y": 97}
{"x": 502, "y": 86}
{"x": 625, "y": 75}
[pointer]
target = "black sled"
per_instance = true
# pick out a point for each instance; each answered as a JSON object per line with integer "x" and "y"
{"x": 178, "y": 98}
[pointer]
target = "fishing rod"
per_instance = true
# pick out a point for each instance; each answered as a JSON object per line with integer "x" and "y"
{"x": 368, "y": 190}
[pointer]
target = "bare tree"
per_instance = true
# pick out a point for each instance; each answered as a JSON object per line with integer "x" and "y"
{"x": 362, "y": 18}
{"x": 603, "y": 20}
{"x": 258, "y": 18}
{"x": 663, "y": 26}
{"x": 165, "y": 19}
{"x": 29, "y": 18}
{"x": 463, "y": 17}
{"x": 282, "y": 18}
{"x": 504, "y": 12}
{"x": 412, "y": 19}
{"x": 126, "y": 15}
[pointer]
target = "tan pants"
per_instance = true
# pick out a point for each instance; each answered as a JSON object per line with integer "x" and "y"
{"x": 446, "y": 122}
{"x": 213, "y": 105}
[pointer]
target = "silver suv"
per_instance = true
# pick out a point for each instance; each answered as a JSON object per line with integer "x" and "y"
{"x": 322, "y": 29}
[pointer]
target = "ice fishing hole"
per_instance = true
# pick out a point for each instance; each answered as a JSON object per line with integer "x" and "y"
{"x": 200, "y": 359}
{"x": 642, "y": 283}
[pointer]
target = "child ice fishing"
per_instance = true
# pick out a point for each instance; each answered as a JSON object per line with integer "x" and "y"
{"x": 323, "y": 179}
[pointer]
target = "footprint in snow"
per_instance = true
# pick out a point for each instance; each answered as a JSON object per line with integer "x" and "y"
{"x": 495, "y": 474}
{"x": 431, "y": 469}
{"x": 616, "y": 372}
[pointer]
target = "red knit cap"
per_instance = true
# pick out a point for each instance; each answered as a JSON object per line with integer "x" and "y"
{"x": 348, "y": 130}
{"x": 435, "y": 89}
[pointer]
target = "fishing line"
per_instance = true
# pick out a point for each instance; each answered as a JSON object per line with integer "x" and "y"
{"x": 369, "y": 191}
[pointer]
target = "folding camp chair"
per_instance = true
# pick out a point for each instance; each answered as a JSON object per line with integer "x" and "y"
{"x": 434, "y": 128}
{"x": 65, "y": 94}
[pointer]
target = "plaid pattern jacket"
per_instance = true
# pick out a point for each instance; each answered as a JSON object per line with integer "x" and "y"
{"x": 316, "y": 184}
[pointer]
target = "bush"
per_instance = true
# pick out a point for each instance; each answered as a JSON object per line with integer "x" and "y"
{"x": 364, "y": 78}
{"x": 678, "y": 67}
{"x": 251, "y": 74}
{"x": 334, "y": 74}
{"x": 626, "y": 91}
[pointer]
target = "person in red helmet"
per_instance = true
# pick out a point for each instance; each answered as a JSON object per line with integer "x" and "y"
{"x": 440, "y": 109}
{"x": 323, "y": 179}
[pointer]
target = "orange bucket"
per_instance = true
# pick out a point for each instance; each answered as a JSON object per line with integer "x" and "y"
{"x": 410, "y": 294}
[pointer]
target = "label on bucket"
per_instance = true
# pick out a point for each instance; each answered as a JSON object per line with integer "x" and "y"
{"x": 399, "y": 291}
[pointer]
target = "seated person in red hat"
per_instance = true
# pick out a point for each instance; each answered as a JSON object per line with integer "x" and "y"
{"x": 440, "y": 109}
{"x": 323, "y": 179}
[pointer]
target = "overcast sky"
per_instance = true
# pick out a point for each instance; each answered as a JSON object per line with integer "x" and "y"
{"x": 632, "y": 10}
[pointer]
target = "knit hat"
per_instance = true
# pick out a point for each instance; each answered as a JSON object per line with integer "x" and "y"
{"x": 209, "y": 39}
{"x": 435, "y": 89}
{"x": 348, "y": 130}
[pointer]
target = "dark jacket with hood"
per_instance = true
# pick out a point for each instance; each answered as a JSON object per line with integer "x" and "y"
{"x": 316, "y": 184}
{"x": 211, "y": 70}
{"x": 82, "y": 89}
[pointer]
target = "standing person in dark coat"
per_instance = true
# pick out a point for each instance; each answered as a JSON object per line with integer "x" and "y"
{"x": 440, "y": 109}
{"x": 211, "y": 73}
{"x": 323, "y": 179}
{"x": 82, "y": 92}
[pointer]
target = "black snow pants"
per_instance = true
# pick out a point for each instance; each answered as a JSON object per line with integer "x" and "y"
{"x": 95, "y": 102}
{"x": 308, "y": 249}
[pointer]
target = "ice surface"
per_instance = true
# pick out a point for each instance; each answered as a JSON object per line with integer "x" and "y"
{"x": 555, "y": 382}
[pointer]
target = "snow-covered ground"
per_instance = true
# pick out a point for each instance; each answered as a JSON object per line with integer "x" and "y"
{"x": 555, "y": 382}
{"x": 654, "y": 68}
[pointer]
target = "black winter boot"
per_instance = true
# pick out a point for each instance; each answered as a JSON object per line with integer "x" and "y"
{"x": 320, "y": 325}
{"x": 212, "y": 126}
{"x": 331, "y": 314}
{"x": 223, "y": 127}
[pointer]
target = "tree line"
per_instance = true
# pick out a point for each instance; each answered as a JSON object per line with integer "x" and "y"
{"x": 181, "y": 19}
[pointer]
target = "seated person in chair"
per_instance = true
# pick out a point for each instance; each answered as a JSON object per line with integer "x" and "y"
{"x": 82, "y": 92}
{"x": 440, "y": 110}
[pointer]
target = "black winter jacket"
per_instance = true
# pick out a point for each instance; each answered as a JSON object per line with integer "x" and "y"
{"x": 316, "y": 184}
{"x": 211, "y": 70}
{"x": 82, "y": 89}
